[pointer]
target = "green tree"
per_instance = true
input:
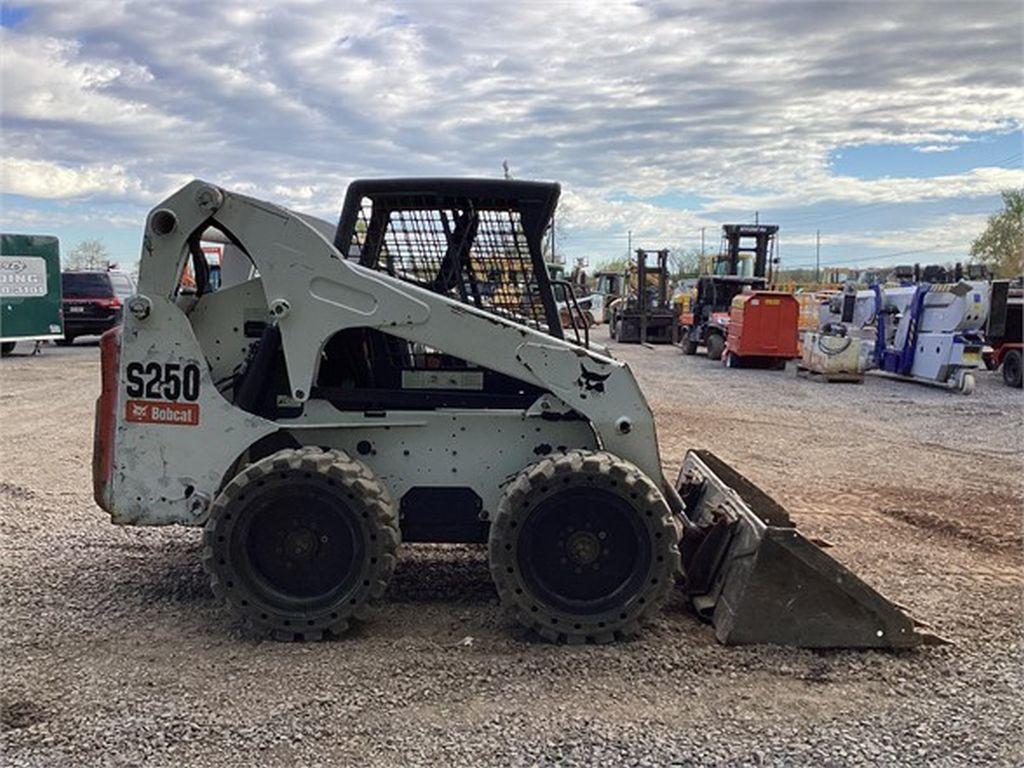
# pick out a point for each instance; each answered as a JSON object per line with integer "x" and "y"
{"x": 683, "y": 263}
{"x": 1001, "y": 245}
{"x": 558, "y": 234}
{"x": 620, "y": 264}
{"x": 88, "y": 254}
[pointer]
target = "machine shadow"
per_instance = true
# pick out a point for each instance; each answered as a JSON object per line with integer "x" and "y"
{"x": 442, "y": 573}
{"x": 171, "y": 573}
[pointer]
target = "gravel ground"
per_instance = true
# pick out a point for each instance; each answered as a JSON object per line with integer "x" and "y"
{"x": 116, "y": 654}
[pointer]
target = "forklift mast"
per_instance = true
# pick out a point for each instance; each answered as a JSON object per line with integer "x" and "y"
{"x": 660, "y": 274}
{"x": 746, "y": 243}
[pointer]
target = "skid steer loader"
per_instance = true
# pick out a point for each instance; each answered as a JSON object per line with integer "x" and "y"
{"x": 403, "y": 376}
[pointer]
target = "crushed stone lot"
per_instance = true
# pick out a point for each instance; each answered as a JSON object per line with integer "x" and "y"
{"x": 116, "y": 653}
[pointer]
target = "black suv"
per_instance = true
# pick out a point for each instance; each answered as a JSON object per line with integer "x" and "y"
{"x": 92, "y": 301}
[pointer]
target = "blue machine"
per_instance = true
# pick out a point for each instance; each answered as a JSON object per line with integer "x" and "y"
{"x": 929, "y": 333}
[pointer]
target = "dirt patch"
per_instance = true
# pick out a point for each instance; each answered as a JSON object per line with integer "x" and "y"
{"x": 1005, "y": 541}
{"x": 20, "y": 713}
{"x": 989, "y": 519}
{"x": 12, "y": 491}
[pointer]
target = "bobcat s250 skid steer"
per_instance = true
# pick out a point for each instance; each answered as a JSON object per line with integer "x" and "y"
{"x": 404, "y": 376}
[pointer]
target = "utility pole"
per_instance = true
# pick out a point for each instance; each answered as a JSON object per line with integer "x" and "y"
{"x": 553, "y": 259}
{"x": 629, "y": 243}
{"x": 700, "y": 265}
{"x": 817, "y": 256}
{"x": 757, "y": 218}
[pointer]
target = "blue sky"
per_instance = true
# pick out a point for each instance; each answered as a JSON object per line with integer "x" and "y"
{"x": 889, "y": 127}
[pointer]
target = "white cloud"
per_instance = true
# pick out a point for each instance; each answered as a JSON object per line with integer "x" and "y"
{"x": 28, "y": 219}
{"x": 43, "y": 179}
{"x": 978, "y": 182}
{"x": 741, "y": 104}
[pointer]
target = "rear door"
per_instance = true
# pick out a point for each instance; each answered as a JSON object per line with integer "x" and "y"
{"x": 88, "y": 295}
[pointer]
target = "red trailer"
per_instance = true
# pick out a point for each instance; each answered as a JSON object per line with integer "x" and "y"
{"x": 762, "y": 330}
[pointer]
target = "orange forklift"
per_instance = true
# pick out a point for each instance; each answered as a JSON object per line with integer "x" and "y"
{"x": 745, "y": 261}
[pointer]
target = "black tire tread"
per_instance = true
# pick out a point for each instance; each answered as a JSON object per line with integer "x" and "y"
{"x": 614, "y": 474}
{"x": 366, "y": 492}
{"x": 1012, "y": 365}
{"x": 715, "y": 346}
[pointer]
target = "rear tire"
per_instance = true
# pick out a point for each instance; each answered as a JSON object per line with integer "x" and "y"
{"x": 1012, "y": 369}
{"x": 301, "y": 543}
{"x": 689, "y": 346}
{"x": 7, "y": 347}
{"x": 583, "y": 548}
{"x": 716, "y": 346}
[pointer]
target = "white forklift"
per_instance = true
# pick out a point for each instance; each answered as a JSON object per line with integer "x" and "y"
{"x": 608, "y": 287}
{"x": 403, "y": 376}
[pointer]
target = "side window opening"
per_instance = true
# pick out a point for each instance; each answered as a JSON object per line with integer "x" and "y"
{"x": 365, "y": 369}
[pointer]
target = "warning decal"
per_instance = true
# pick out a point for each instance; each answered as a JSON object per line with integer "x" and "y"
{"x": 162, "y": 412}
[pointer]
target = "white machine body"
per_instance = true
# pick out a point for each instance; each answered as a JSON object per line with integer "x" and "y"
{"x": 176, "y": 352}
{"x": 930, "y": 333}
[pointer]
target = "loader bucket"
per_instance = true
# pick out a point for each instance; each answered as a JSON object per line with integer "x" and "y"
{"x": 758, "y": 580}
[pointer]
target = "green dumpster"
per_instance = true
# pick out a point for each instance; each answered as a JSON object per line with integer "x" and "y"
{"x": 29, "y": 289}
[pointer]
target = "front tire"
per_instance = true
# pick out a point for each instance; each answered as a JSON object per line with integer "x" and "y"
{"x": 583, "y": 548}
{"x": 1012, "y": 369}
{"x": 301, "y": 543}
{"x": 7, "y": 347}
{"x": 716, "y": 346}
{"x": 966, "y": 384}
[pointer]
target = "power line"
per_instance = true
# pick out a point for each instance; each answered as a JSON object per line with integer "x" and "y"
{"x": 877, "y": 257}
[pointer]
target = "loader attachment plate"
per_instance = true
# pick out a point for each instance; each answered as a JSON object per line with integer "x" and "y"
{"x": 752, "y": 574}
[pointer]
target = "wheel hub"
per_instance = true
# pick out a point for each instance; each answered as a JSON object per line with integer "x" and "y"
{"x": 300, "y": 544}
{"x": 583, "y": 548}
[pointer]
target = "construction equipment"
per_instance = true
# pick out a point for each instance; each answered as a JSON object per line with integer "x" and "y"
{"x": 928, "y": 333}
{"x": 1004, "y": 330}
{"x": 608, "y": 287}
{"x": 745, "y": 262}
{"x": 574, "y": 312}
{"x": 762, "y": 330}
{"x": 645, "y": 314}
{"x": 831, "y": 354}
{"x": 367, "y": 384}
{"x": 30, "y": 290}
{"x": 748, "y": 250}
